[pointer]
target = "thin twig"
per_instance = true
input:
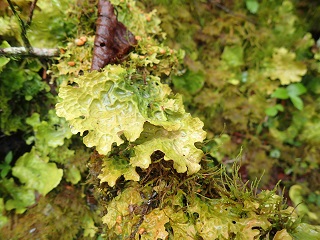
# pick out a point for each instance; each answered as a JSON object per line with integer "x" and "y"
{"x": 23, "y": 28}
{"x": 32, "y": 7}
{"x": 24, "y": 52}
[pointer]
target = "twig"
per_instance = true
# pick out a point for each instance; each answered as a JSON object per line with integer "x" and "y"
{"x": 32, "y": 7}
{"x": 24, "y": 52}
{"x": 23, "y": 28}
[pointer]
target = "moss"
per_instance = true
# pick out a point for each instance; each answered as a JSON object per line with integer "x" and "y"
{"x": 59, "y": 215}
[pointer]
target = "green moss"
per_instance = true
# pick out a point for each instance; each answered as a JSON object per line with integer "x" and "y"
{"x": 62, "y": 214}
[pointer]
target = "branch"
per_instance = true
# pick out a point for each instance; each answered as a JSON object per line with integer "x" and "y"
{"x": 32, "y": 7}
{"x": 24, "y": 52}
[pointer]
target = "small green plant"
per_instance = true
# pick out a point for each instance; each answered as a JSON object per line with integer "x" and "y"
{"x": 292, "y": 92}
{"x": 5, "y": 167}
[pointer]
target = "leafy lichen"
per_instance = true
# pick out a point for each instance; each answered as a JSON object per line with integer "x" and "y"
{"x": 108, "y": 104}
{"x": 36, "y": 173}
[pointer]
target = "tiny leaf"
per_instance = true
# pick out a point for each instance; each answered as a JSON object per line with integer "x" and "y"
{"x": 252, "y": 6}
{"x": 8, "y": 157}
{"x": 296, "y": 89}
{"x": 3, "y": 62}
{"x": 271, "y": 111}
{"x": 233, "y": 56}
{"x": 280, "y": 93}
{"x": 297, "y": 102}
{"x": 279, "y": 107}
{"x": 5, "y": 169}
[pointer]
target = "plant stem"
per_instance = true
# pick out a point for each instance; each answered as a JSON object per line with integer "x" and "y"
{"x": 23, "y": 28}
{"x": 32, "y": 7}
